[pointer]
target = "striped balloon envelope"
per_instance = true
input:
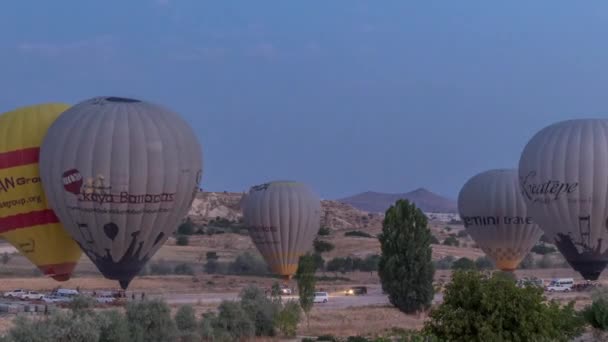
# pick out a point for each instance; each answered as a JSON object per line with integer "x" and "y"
{"x": 26, "y": 220}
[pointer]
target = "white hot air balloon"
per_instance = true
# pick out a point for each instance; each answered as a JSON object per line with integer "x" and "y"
{"x": 120, "y": 174}
{"x": 563, "y": 173}
{"x": 283, "y": 218}
{"x": 495, "y": 216}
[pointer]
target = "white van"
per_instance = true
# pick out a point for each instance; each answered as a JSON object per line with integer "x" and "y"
{"x": 560, "y": 285}
{"x": 321, "y": 297}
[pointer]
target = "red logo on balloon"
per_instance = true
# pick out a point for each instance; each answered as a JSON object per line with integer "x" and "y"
{"x": 72, "y": 181}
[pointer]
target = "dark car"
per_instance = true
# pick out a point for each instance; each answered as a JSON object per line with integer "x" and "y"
{"x": 356, "y": 290}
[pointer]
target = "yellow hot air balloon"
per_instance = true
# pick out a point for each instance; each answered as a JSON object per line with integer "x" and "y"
{"x": 26, "y": 219}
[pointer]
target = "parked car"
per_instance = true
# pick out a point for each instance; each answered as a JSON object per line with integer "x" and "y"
{"x": 356, "y": 290}
{"x": 286, "y": 291}
{"x": 18, "y": 293}
{"x": 56, "y": 299}
{"x": 65, "y": 293}
{"x": 105, "y": 297}
{"x": 321, "y": 297}
{"x": 32, "y": 295}
{"x": 560, "y": 285}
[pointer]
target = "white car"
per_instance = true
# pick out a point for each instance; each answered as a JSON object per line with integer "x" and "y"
{"x": 18, "y": 293}
{"x": 321, "y": 297}
{"x": 561, "y": 285}
{"x": 105, "y": 298}
{"x": 32, "y": 295}
{"x": 285, "y": 291}
{"x": 56, "y": 299}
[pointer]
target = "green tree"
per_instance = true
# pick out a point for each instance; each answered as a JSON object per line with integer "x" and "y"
{"x": 260, "y": 309}
{"x": 464, "y": 264}
{"x": 451, "y": 241}
{"x": 323, "y": 246}
{"x": 319, "y": 261}
{"x": 151, "y": 321}
{"x": 182, "y": 240}
{"x": 324, "y": 231}
{"x": 185, "y": 318}
{"x": 484, "y": 263}
{"x": 480, "y": 308}
{"x": 288, "y": 318}
{"x": 186, "y": 228}
{"x": 405, "y": 268}
{"x": 527, "y": 262}
{"x": 305, "y": 276}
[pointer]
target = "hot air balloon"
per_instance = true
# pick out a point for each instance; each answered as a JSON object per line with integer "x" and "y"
{"x": 495, "y": 215}
{"x": 283, "y": 218}
{"x": 26, "y": 219}
{"x": 563, "y": 173}
{"x": 121, "y": 175}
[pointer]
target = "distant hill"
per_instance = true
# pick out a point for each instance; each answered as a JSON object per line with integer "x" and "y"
{"x": 426, "y": 200}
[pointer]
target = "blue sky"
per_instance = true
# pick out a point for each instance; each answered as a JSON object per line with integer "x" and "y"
{"x": 347, "y": 96}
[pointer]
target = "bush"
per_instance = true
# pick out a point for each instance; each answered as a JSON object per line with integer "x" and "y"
{"x": 463, "y": 264}
{"x": 288, "y": 318}
{"x": 260, "y": 309}
{"x": 319, "y": 261}
{"x": 183, "y": 269}
{"x": 484, "y": 263}
{"x": 232, "y": 322}
{"x": 185, "y": 319}
{"x": 324, "y": 231}
{"x": 248, "y": 264}
{"x": 527, "y": 263}
{"x": 160, "y": 268}
{"x": 370, "y": 263}
{"x": 445, "y": 263}
{"x": 545, "y": 262}
{"x": 462, "y": 234}
{"x": 323, "y": 246}
{"x": 182, "y": 240}
{"x": 186, "y": 228}
{"x": 150, "y": 320}
{"x": 543, "y": 249}
{"x": 451, "y": 241}
{"x": 358, "y": 233}
{"x": 212, "y": 266}
{"x": 478, "y": 308}
{"x": 434, "y": 240}
{"x": 596, "y": 314}
{"x": 81, "y": 304}
{"x": 211, "y": 256}
{"x": 448, "y": 229}
{"x": 114, "y": 327}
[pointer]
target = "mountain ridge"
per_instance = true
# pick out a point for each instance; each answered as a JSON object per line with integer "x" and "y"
{"x": 425, "y": 200}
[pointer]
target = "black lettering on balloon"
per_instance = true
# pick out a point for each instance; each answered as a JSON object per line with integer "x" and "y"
{"x": 111, "y": 230}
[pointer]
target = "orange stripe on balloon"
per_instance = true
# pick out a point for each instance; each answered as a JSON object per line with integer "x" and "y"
{"x": 21, "y": 157}
{"x": 33, "y": 218}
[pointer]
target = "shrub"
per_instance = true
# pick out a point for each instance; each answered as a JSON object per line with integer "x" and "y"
{"x": 114, "y": 327}
{"x": 260, "y": 309}
{"x": 185, "y": 319}
{"x": 462, "y": 234}
{"x": 543, "y": 249}
{"x": 370, "y": 263}
{"x": 150, "y": 320}
{"x": 484, "y": 263}
{"x": 405, "y": 268}
{"x": 319, "y": 261}
{"x": 358, "y": 233}
{"x": 160, "y": 268}
{"x": 186, "y": 228}
{"x": 182, "y": 240}
{"x": 323, "y": 246}
{"x": 527, "y": 262}
{"x": 211, "y": 256}
{"x": 445, "y": 263}
{"x": 545, "y": 262}
{"x": 248, "y": 264}
{"x": 183, "y": 269}
{"x": 288, "y": 318}
{"x": 463, "y": 264}
{"x": 324, "y": 231}
{"x": 434, "y": 240}
{"x": 596, "y": 314}
{"x": 448, "y": 229}
{"x": 478, "y": 308}
{"x": 81, "y": 304}
{"x": 232, "y": 322}
{"x": 212, "y": 266}
{"x": 451, "y": 241}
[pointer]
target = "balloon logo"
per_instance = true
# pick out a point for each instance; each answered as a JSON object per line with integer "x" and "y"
{"x": 496, "y": 217}
{"x": 72, "y": 181}
{"x": 123, "y": 183}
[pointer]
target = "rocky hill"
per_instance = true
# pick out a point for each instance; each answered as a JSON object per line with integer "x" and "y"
{"x": 424, "y": 199}
{"x": 208, "y": 206}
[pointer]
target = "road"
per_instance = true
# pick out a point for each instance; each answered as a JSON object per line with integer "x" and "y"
{"x": 337, "y": 300}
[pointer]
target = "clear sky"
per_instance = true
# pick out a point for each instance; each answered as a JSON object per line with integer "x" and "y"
{"x": 347, "y": 96}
